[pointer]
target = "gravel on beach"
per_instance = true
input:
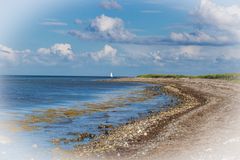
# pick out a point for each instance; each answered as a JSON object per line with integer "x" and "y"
{"x": 172, "y": 133}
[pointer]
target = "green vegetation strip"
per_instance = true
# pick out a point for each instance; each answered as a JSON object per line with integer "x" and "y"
{"x": 225, "y": 76}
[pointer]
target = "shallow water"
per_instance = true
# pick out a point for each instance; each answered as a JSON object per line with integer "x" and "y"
{"x": 22, "y": 96}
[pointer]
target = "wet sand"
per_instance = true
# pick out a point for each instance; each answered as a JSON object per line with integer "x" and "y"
{"x": 203, "y": 126}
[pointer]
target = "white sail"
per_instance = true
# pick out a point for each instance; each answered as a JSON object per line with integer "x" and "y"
{"x": 111, "y": 75}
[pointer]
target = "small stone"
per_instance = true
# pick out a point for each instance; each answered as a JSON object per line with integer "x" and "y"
{"x": 56, "y": 141}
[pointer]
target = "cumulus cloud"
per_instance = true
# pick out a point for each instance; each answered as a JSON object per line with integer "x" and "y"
{"x": 108, "y": 53}
{"x": 9, "y": 55}
{"x": 60, "y": 49}
{"x": 218, "y": 26}
{"x": 104, "y": 23}
{"x": 110, "y": 4}
{"x": 226, "y": 18}
{"x": 221, "y": 25}
{"x": 105, "y": 28}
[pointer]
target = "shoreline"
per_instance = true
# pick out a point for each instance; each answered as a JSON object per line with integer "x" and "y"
{"x": 127, "y": 141}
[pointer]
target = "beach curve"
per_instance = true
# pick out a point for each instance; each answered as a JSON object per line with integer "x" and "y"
{"x": 178, "y": 132}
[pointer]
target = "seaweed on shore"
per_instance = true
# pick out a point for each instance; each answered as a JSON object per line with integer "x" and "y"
{"x": 78, "y": 137}
{"x": 126, "y": 139}
{"x": 50, "y": 116}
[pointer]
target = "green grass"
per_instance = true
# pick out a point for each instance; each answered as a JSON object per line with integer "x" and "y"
{"x": 225, "y": 76}
{"x": 163, "y": 76}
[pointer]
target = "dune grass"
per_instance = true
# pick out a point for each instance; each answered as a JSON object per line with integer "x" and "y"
{"x": 225, "y": 76}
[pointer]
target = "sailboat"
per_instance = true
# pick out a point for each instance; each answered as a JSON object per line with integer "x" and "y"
{"x": 111, "y": 75}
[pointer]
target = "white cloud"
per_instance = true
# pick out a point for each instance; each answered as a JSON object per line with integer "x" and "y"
{"x": 110, "y": 4}
{"x": 159, "y": 55}
{"x": 104, "y": 23}
{"x": 111, "y": 28}
{"x": 200, "y": 37}
{"x": 138, "y": 55}
{"x": 105, "y": 28}
{"x": 190, "y": 51}
{"x": 83, "y": 35}
{"x": 53, "y": 22}
{"x": 225, "y": 18}
{"x": 61, "y": 49}
{"x": 44, "y": 50}
{"x": 108, "y": 53}
{"x": 230, "y": 53}
{"x": 220, "y": 25}
{"x": 156, "y": 58}
{"x": 191, "y": 37}
{"x": 45, "y": 56}
{"x": 9, "y": 55}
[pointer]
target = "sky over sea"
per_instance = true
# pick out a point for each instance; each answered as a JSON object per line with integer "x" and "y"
{"x": 78, "y": 37}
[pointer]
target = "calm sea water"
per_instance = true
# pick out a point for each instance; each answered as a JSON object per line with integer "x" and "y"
{"x": 22, "y": 95}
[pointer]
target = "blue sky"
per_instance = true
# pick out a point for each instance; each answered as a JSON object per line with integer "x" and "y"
{"x": 124, "y": 37}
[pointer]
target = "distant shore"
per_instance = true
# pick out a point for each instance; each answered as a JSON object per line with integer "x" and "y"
{"x": 141, "y": 138}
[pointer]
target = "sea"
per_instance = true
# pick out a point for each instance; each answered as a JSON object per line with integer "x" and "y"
{"x": 24, "y": 96}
